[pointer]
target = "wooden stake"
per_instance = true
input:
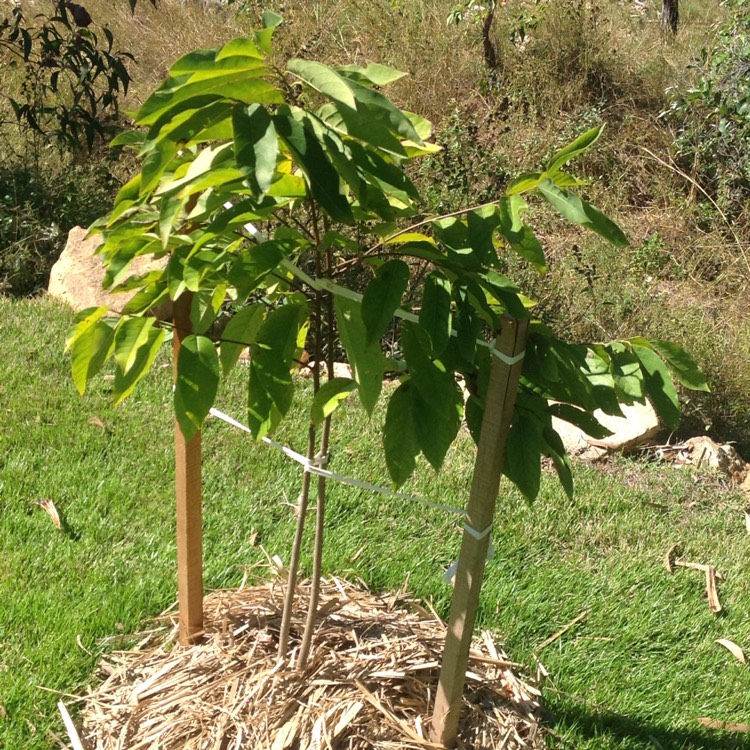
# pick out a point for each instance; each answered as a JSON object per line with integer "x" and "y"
{"x": 498, "y": 413}
{"x": 188, "y": 497}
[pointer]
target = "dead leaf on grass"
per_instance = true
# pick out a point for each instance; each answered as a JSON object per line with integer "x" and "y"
{"x": 49, "y": 507}
{"x": 733, "y": 649}
{"x": 96, "y": 422}
{"x": 724, "y": 726}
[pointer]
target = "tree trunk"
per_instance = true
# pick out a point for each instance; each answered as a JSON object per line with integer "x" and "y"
{"x": 670, "y": 16}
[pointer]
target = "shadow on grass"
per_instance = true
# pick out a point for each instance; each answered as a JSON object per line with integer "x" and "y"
{"x": 602, "y": 725}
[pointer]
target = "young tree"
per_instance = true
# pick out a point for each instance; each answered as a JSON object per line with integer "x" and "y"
{"x": 265, "y": 186}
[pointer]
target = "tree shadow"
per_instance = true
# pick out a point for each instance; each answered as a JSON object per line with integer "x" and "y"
{"x": 602, "y": 724}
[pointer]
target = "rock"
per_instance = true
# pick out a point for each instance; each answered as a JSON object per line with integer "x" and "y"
{"x": 639, "y": 425}
{"x": 77, "y": 276}
{"x": 340, "y": 370}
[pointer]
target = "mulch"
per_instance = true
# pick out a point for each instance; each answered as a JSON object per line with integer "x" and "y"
{"x": 370, "y": 681}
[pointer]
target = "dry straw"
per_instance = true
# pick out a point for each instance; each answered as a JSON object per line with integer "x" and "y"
{"x": 370, "y": 682}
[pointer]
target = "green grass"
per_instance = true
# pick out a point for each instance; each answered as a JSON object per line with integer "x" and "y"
{"x": 636, "y": 673}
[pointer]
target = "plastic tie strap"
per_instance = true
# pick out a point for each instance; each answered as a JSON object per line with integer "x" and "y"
{"x": 317, "y": 466}
{"x": 505, "y": 358}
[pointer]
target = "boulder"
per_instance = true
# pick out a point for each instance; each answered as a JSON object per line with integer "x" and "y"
{"x": 639, "y": 425}
{"x": 77, "y": 276}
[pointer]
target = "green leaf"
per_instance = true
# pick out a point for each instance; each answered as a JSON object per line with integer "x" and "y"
{"x": 145, "y": 354}
{"x": 294, "y": 129}
{"x": 128, "y": 138}
{"x": 659, "y": 386}
{"x": 239, "y": 334}
{"x": 582, "y": 419}
{"x": 89, "y": 351}
{"x": 374, "y": 73}
{"x": 272, "y": 355}
{"x": 523, "y": 183}
{"x": 324, "y": 80}
{"x": 578, "y": 146}
{"x": 196, "y": 384}
{"x": 523, "y": 452}
{"x": 435, "y": 315}
{"x": 365, "y": 358}
{"x": 555, "y": 449}
{"x": 270, "y": 19}
{"x": 520, "y": 237}
{"x": 682, "y": 365}
{"x": 436, "y": 424}
{"x": 256, "y": 145}
{"x": 577, "y": 211}
{"x": 382, "y": 297}
{"x": 329, "y": 397}
{"x": 84, "y": 320}
{"x": 131, "y": 335}
{"x": 626, "y": 372}
{"x": 399, "y": 437}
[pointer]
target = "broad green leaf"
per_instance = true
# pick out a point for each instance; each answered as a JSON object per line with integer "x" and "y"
{"x": 383, "y": 112}
{"x": 128, "y": 138}
{"x": 577, "y": 211}
{"x": 366, "y": 359}
{"x": 329, "y": 398}
{"x": 436, "y": 424}
{"x": 523, "y": 452}
{"x": 272, "y": 357}
{"x": 519, "y": 236}
{"x": 523, "y": 183}
{"x": 254, "y": 264}
{"x": 555, "y": 449}
{"x": 359, "y": 125}
{"x": 89, "y": 351}
{"x": 270, "y": 19}
{"x": 409, "y": 237}
{"x": 206, "y": 305}
{"x": 196, "y": 384}
{"x": 682, "y": 365}
{"x": 239, "y": 334}
{"x": 435, "y": 315}
{"x": 382, "y": 297}
{"x": 480, "y": 226}
{"x": 626, "y": 372}
{"x": 256, "y": 145}
{"x": 131, "y": 335}
{"x": 582, "y": 419}
{"x": 125, "y": 382}
{"x": 659, "y": 385}
{"x": 399, "y": 438}
{"x": 170, "y": 209}
{"x": 84, "y": 320}
{"x": 324, "y": 80}
{"x": 578, "y": 146}
{"x": 374, "y": 73}
{"x": 324, "y": 181}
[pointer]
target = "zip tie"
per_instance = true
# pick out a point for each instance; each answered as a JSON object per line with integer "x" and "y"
{"x": 312, "y": 467}
{"x": 450, "y": 573}
{"x": 478, "y": 535}
{"x": 505, "y": 358}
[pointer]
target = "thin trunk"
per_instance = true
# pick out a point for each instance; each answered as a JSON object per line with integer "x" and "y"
{"x": 317, "y": 570}
{"x": 291, "y": 586}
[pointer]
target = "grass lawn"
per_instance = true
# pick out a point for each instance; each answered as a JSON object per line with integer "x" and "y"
{"x": 637, "y": 672}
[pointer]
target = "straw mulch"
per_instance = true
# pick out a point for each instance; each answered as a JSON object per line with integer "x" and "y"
{"x": 370, "y": 681}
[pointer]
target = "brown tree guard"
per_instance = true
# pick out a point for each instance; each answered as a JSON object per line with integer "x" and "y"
{"x": 188, "y": 499}
{"x": 488, "y": 468}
